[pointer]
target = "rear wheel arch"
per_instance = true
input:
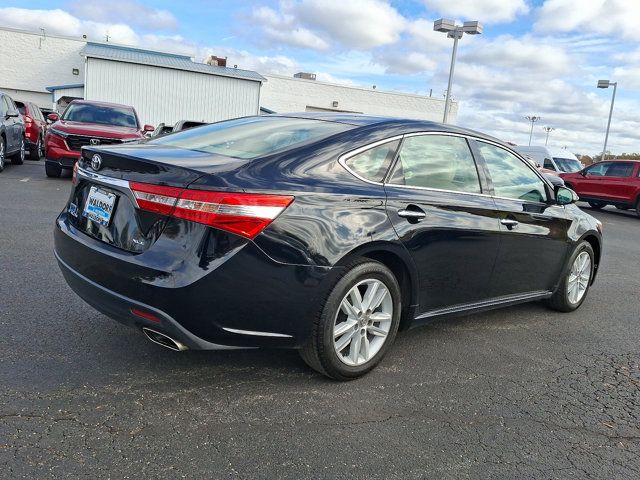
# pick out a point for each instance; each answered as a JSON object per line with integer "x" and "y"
{"x": 402, "y": 267}
{"x": 597, "y": 250}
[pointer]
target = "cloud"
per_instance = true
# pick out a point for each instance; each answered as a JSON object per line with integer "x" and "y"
{"x": 358, "y": 24}
{"x": 609, "y": 17}
{"x": 124, "y": 11}
{"x": 281, "y": 29}
{"x": 486, "y": 11}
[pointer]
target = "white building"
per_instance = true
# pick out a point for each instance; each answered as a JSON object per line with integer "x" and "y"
{"x": 165, "y": 88}
{"x": 288, "y": 94}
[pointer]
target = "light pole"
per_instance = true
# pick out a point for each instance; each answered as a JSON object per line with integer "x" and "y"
{"x": 607, "y": 84}
{"x": 454, "y": 31}
{"x": 533, "y": 119}
{"x": 548, "y": 130}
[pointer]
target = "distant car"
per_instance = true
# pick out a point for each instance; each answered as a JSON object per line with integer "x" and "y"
{"x": 614, "y": 182}
{"x": 163, "y": 129}
{"x": 88, "y": 123}
{"x": 12, "y": 140}
{"x": 35, "y": 128}
{"x": 552, "y": 160}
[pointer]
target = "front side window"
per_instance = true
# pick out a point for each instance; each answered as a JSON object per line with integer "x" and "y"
{"x": 619, "y": 170}
{"x": 597, "y": 170}
{"x": 511, "y": 177}
{"x": 102, "y": 114}
{"x": 252, "y": 137}
{"x": 440, "y": 162}
{"x": 373, "y": 164}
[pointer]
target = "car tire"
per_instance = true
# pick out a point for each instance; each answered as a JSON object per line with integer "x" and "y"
{"x": 637, "y": 209}
{"x": 52, "y": 171}
{"x": 346, "y": 346}
{"x": 2, "y": 154}
{"x": 35, "y": 152}
{"x": 597, "y": 205}
{"x": 18, "y": 157}
{"x": 569, "y": 295}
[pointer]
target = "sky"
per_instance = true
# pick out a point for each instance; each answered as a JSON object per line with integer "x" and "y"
{"x": 535, "y": 57}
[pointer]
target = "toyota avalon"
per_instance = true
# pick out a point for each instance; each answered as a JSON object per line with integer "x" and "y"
{"x": 325, "y": 233}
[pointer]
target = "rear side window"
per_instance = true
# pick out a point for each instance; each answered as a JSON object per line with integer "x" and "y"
{"x": 440, "y": 162}
{"x": 619, "y": 170}
{"x": 373, "y": 164}
{"x": 252, "y": 137}
{"x": 21, "y": 108}
{"x": 510, "y": 176}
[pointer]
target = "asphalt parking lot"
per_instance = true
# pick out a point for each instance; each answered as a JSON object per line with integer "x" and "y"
{"x": 517, "y": 393}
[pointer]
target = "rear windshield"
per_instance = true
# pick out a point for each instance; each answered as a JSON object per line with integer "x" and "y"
{"x": 103, "y": 114}
{"x": 252, "y": 137}
{"x": 568, "y": 165}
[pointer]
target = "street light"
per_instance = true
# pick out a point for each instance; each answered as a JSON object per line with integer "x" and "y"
{"x": 454, "y": 31}
{"x": 533, "y": 119}
{"x": 607, "y": 84}
{"x": 548, "y": 130}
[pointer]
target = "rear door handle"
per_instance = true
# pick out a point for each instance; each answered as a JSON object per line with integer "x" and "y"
{"x": 414, "y": 214}
{"x": 509, "y": 223}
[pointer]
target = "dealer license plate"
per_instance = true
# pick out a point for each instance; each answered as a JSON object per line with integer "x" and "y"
{"x": 99, "y": 206}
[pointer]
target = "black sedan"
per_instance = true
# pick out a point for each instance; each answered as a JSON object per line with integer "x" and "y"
{"x": 323, "y": 233}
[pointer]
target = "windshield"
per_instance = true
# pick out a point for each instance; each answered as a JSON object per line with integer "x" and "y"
{"x": 102, "y": 114}
{"x": 252, "y": 137}
{"x": 568, "y": 165}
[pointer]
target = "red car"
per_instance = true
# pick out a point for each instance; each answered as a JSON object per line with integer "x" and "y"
{"x": 35, "y": 128}
{"x": 615, "y": 182}
{"x": 88, "y": 123}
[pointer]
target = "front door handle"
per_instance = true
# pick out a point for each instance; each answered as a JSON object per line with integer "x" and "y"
{"x": 412, "y": 213}
{"x": 509, "y": 223}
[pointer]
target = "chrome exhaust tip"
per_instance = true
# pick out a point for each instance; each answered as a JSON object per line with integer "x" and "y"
{"x": 164, "y": 340}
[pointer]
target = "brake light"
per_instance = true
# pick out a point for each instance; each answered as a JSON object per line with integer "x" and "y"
{"x": 245, "y": 214}
{"x": 74, "y": 177}
{"x": 27, "y": 120}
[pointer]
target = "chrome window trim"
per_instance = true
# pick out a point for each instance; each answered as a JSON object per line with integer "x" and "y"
{"x": 345, "y": 156}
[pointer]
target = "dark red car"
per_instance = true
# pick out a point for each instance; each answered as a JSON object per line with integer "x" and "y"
{"x": 615, "y": 182}
{"x": 35, "y": 128}
{"x": 88, "y": 123}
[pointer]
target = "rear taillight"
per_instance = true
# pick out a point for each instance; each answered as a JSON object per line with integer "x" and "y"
{"x": 27, "y": 120}
{"x": 74, "y": 177}
{"x": 245, "y": 214}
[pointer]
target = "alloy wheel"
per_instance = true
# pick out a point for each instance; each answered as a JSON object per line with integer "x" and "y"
{"x": 1, "y": 155}
{"x": 40, "y": 149}
{"x": 22, "y": 154}
{"x": 579, "y": 277}
{"x": 363, "y": 322}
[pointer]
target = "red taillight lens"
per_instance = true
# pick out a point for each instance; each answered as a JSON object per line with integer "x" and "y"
{"x": 74, "y": 177}
{"x": 245, "y": 214}
{"x": 28, "y": 120}
{"x": 145, "y": 315}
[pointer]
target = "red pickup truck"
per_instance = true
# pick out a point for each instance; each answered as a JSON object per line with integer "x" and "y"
{"x": 88, "y": 123}
{"x": 615, "y": 182}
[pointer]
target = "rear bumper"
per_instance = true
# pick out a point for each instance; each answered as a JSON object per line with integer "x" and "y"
{"x": 120, "y": 308}
{"x": 238, "y": 298}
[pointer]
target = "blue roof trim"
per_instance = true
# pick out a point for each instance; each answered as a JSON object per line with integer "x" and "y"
{"x": 61, "y": 87}
{"x": 165, "y": 60}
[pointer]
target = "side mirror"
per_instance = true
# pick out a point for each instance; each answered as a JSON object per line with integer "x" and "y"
{"x": 566, "y": 196}
{"x": 54, "y": 117}
{"x": 148, "y": 128}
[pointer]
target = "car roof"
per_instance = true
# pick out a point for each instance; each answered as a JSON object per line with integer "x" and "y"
{"x": 106, "y": 104}
{"x": 412, "y": 125}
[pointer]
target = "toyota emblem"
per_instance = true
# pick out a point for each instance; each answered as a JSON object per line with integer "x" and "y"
{"x": 94, "y": 141}
{"x": 96, "y": 162}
